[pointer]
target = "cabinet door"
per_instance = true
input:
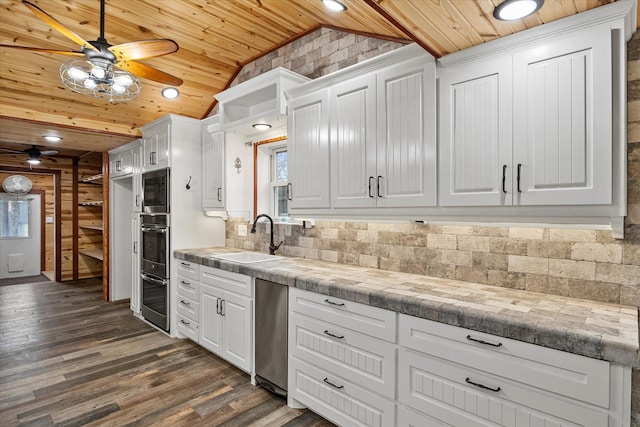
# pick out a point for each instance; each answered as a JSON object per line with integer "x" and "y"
{"x": 213, "y": 170}
{"x": 406, "y": 160}
{"x": 475, "y": 134}
{"x": 149, "y": 151}
{"x": 237, "y": 330}
{"x": 308, "y": 134}
{"x": 137, "y": 178}
{"x": 210, "y": 331}
{"x": 353, "y": 143}
{"x": 162, "y": 148}
{"x": 563, "y": 121}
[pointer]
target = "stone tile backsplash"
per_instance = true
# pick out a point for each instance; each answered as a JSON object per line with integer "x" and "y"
{"x": 587, "y": 264}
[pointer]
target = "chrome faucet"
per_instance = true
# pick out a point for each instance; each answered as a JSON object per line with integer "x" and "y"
{"x": 272, "y": 247}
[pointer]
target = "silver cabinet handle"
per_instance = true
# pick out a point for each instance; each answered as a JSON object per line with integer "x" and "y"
{"x": 222, "y": 313}
{"x": 184, "y": 322}
{"x": 118, "y": 165}
{"x": 379, "y": 178}
{"x": 219, "y": 194}
{"x": 153, "y": 158}
{"x": 289, "y": 191}
{"x": 185, "y": 283}
{"x": 135, "y": 247}
{"x": 186, "y": 264}
{"x": 183, "y": 302}
{"x": 326, "y": 380}
{"x": 370, "y": 186}
{"x": 518, "y": 177}
{"x": 137, "y": 200}
{"x": 504, "y": 178}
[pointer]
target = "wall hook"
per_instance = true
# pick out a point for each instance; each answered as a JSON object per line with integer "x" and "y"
{"x": 188, "y": 186}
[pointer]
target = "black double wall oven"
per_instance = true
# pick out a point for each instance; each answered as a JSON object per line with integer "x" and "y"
{"x": 155, "y": 257}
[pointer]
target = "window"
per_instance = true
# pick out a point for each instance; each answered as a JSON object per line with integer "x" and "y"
{"x": 279, "y": 174}
{"x": 14, "y": 219}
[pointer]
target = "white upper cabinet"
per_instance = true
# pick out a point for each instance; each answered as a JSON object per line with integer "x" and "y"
{"x": 155, "y": 147}
{"x": 475, "y": 133}
{"x": 364, "y": 137}
{"x": 406, "y": 135}
{"x": 308, "y": 150}
{"x": 353, "y": 143}
{"x": 532, "y": 128}
{"x": 213, "y": 172}
{"x": 562, "y": 121}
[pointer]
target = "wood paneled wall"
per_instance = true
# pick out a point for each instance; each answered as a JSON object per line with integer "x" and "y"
{"x": 71, "y": 266}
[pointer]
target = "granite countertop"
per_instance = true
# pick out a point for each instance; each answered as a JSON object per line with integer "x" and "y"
{"x": 593, "y": 329}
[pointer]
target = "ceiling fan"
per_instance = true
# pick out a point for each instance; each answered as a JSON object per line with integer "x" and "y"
{"x": 108, "y": 71}
{"x": 34, "y": 154}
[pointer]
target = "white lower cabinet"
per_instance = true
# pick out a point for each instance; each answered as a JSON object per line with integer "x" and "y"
{"x": 342, "y": 359}
{"x": 462, "y": 377}
{"x": 225, "y": 316}
{"x": 188, "y": 299}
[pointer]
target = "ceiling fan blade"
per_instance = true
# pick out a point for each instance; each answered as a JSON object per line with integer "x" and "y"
{"x": 49, "y": 152}
{"x": 143, "y": 49}
{"x": 147, "y": 72}
{"x": 38, "y": 49}
{"x": 10, "y": 151}
{"x": 53, "y": 23}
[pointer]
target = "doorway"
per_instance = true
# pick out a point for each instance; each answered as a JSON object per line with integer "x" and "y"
{"x": 20, "y": 235}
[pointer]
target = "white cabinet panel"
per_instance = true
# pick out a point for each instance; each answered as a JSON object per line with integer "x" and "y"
{"x": 563, "y": 120}
{"x": 210, "y": 332}
{"x": 213, "y": 170}
{"x": 308, "y": 135}
{"x": 237, "y": 313}
{"x": 353, "y": 143}
{"x": 406, "y": 135}
{"x": 338, "y": 400}
{"x": 135, "y": 264}
{"x": 475, "y": 134}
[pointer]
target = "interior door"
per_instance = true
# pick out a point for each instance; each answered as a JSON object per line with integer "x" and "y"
{"x": 20, "y": 230}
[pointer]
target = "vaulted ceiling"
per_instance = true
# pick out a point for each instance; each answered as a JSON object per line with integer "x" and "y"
{"x": 216, "y": 38}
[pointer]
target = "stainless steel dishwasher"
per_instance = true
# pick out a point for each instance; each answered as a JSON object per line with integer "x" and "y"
{"x": 271, "y": 354}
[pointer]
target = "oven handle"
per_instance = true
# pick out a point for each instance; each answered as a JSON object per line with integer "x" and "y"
{"x": 156, "y": 229}
{"x": 153, "y": 279}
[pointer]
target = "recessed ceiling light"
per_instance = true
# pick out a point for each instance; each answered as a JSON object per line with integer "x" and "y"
{"x": 334, "y": 5}
{"x": 170, "y": 92}
{"x": 510, "y": 10}
{"x": 262, "y": 126}
{"x": 52, "y": 138}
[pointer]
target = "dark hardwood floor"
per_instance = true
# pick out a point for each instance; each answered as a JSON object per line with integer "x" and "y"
{"x": 67, "y": 358}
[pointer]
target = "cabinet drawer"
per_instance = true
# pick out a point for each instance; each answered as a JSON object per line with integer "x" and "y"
{"x": 187, "y": 327}
{"x": 227, "y": 280}
{"x": 446, "y": 391}
{"x": 189, "y": 288}
{"x": 361, "y": 359}
{"x": 560, "y": 372}
{"x": 337, "y": 399}
{"x": 188, "y": 308}
{"x": 410, "y": 418}
{"x": 373, "y": 321}
{"x": 188, "y": 269}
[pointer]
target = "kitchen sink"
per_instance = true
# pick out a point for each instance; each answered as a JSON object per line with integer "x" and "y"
{"x": 246, "y": 257}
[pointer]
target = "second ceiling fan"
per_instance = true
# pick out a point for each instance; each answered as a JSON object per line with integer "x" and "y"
{"x": 108, "y": 71}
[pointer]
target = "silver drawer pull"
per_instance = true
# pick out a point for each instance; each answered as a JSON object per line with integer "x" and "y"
{"x": 482, "y": 386}
{"x": 184, "y": 322}
{"x": 186, "y": 264}
{"x": 183, "y": 302}
{"x": 470, "y": 338}
{"x": 340, "y": 337}
{"x": 326, "y": 380}
{"x": 341, "y": 304}
{"x": 187, "y": 284}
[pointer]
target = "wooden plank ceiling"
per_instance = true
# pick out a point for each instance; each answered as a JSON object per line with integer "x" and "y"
{"x": 216, "y": 38}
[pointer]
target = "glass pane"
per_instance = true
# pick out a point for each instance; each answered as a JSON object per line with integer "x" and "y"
{"x": 14, "y": 218}
{"x": 281, "y": 166}
{"x": 281, "y": 202}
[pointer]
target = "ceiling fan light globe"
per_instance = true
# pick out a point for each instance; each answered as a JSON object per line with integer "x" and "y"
{"x": 90, "y": 84}
{"x": 78, "y": 74}
{"x": 123, "y": 80}
{"x": 98, "y": 72}
{"x": 33, "y": 161}
{"x": 117, "y": 88}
